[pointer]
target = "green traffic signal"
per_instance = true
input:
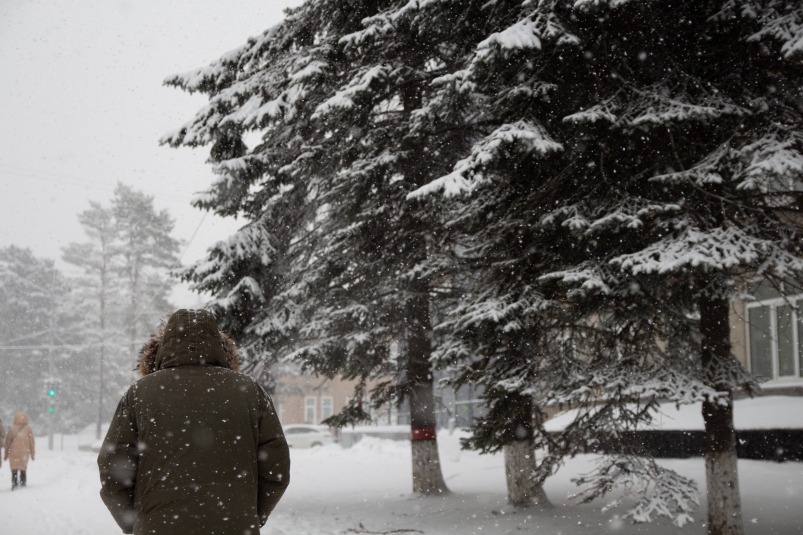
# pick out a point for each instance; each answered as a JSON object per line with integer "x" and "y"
{"x": 51, "y": 392}
{"x": 52, "y": 409}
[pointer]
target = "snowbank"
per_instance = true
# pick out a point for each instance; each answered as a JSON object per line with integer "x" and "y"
{"x": 336, "y": 491}
{"x": 766, "y": 412}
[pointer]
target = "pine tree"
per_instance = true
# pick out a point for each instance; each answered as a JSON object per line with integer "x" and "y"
{"x": 96, "y": 259}
{"x": 42, "y": 342}
{"x": 342, "y": 94}
{"x": 635, "y": 164}
{"x": 147, "y": 251}
{"x": 124, "y": 284}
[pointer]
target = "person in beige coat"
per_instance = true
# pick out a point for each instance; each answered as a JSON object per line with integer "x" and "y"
{"x": 2, "y": 441}
{"x": 19, "y": 447}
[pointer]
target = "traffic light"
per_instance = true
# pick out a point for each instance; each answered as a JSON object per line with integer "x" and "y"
{"x": 51, "y": 396}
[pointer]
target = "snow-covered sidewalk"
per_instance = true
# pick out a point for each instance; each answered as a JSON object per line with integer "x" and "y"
{"x": 367, "y": 488}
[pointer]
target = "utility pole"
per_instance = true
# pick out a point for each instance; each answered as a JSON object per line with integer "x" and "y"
{"x": 51, "y": 391}
{"x": 51, "y": 386}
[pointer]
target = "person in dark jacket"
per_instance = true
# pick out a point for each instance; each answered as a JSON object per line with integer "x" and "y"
{"x": 194, "y": 447}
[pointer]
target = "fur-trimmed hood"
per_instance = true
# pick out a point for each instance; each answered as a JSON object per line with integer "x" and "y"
{"x": 20, "y": 419}
{"x": 188, "y": 337}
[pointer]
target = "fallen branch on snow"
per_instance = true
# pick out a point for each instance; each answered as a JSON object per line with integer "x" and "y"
{"x": 363, "y": 530}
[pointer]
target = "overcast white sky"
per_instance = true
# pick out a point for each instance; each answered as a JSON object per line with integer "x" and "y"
{"x": 82, "y": 106}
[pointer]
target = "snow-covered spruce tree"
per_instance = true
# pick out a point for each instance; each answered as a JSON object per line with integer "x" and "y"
{"x": 124, "y": 286}
{"x": 341, "y": 95}
{"x": 40, "y": 325}
{"x": 256, "y": 276}
{"x": 96, "y": 259}
{"x": 646, "y": 157}
{"x": 146, "y": 251}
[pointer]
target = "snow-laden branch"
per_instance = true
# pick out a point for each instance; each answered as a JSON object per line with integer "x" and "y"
{"x": 358, "y": 86}
{"x": 523, "y": 137}
{"x": 719, "y": 249}
{"x": 782, "y": 22}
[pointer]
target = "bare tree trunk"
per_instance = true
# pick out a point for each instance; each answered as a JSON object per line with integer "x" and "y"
{"x": 427, "y": 474}
{"x": 722, "y": 478}
{"x": 520, "y": 457}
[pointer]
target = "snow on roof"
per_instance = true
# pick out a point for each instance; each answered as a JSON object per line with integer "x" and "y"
{"x": 766, "y": 412}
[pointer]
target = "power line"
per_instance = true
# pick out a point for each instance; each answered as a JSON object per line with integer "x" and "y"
{"x": 107, "y": 341}
{"x": 32, "y": 335}
{"x": 58, "y": 178}
{"x": 70, "y": 346}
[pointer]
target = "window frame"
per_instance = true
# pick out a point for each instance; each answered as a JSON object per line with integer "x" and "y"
{"x": 314, "y": 407}
{"x": 331, "y": 401}
{"x": 794, "y": 301}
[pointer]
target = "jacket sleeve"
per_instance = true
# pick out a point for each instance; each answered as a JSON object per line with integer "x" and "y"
{"x": 117, "y": 462}
{"x": 273, "y": 459}
{"x": 32, "y": 443}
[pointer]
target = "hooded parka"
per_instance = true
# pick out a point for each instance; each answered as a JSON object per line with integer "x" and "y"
{"x": 194, "y": 447}
{"x": 20, "y": 444}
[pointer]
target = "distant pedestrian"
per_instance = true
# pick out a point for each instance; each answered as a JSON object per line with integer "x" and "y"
{"x": 19, "y": 447}
{"x": 194, "y": 447}
{"x": 2, "y": 440}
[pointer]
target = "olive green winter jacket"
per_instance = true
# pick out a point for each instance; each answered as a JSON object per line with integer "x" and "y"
{"x": 195, "y": 447}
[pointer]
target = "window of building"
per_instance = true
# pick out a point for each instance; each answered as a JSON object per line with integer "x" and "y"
{"x": 309, "y": 410}
{"x": 775, "y": 332}
{"x": 327, "y": 405}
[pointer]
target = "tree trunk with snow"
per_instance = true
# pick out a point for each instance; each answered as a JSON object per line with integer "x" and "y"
{"x": 427, "y": 474}
{"x": 722, "y": 478}
{"x": 519, "y": 467}
{"x": 520, "y": 458}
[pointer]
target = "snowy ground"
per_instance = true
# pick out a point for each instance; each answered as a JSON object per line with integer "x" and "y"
{"x": 367, "y": 489}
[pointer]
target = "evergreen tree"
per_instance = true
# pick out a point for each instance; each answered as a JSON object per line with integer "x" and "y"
{"x": 636, "y": 163}
{"x": 253, "y": 276}
{"x": 97, "y": 260}
{"x": 146, "y": 252}
{"x": 342, "y": 94}
{"x": 41, "y": 339}
{"x": 124, "y": 285}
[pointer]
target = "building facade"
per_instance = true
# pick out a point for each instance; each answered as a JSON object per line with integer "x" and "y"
{"x": 304, "y": 399}
{"x": 767, "y": 336}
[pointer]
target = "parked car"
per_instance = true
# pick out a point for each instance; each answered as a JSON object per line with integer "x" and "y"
{"x": 307, "y": 436}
